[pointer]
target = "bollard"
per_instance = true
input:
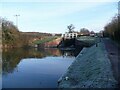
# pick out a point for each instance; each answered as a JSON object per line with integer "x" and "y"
{"x": 96, "y": 44}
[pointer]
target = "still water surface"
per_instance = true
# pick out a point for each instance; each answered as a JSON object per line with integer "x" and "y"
{"x": 34, "y": 68}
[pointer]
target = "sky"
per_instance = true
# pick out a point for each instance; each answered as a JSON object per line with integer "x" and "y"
{"x": 54, "y": 16}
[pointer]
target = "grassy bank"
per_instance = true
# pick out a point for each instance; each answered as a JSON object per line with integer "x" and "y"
{"x": 46, "y": 39}
{"x": 87, "y": 39}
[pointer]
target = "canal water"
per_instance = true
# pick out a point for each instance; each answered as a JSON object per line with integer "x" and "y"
{"x": 34, "y": 68}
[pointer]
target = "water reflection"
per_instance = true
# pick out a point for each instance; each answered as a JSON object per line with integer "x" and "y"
{"x": 71, "y": 53}
{"x": 12, "y": 57}
{"x": 47, "y": 63}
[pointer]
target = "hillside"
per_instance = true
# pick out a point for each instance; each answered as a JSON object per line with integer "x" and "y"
{"x": 12, "y": 37}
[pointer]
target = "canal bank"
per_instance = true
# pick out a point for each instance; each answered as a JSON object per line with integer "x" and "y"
{"x": 91, "y": 69}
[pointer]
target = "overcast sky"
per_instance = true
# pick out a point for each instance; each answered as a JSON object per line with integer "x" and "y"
{"x": 54, "y": 17}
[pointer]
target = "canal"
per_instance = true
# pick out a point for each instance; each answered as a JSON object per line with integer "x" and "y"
{"x": 34, "y": 68}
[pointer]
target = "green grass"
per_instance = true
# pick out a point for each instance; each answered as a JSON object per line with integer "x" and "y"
{"x": 87, "y": 39}
{"x": 47, "y": 39}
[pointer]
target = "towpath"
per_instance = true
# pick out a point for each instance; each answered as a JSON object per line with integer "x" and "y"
{"x": 91, "y": 69}
{"x": 113, "y": 51}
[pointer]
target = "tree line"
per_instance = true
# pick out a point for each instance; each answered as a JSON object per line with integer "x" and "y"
{"x": 112, "y": 29}
{"x": 10, "y": 34}
{"x": 83, "y": 31}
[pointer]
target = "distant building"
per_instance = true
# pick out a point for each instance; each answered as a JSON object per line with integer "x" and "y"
{"x": 53, "y": 34}
{"x": 100, "y": 34}
{"x": 92, "y": 33}
{"x": 68, "y": 35}
{"x": 83, "y": 34}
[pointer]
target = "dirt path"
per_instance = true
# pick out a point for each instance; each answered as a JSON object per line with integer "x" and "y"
{"x": 113, "y": 51}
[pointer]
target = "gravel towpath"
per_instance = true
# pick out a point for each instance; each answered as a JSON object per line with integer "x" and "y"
{"x": 113, "y": 51}
{"x": 91, "y": 69}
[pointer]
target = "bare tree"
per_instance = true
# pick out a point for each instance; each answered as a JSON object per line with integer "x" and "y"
{"x": 112, "y": 29}
{"x": 71, "y": 28}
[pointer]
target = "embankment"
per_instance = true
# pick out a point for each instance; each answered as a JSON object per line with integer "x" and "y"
{"x": 48, "y": 42}
{"x": 91, "y": 69}
{"x": 53, "y": 43}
